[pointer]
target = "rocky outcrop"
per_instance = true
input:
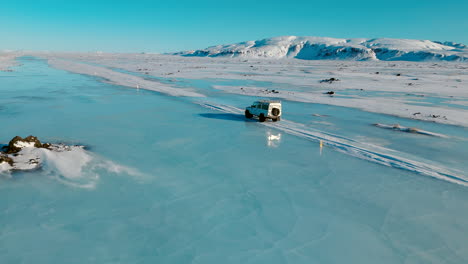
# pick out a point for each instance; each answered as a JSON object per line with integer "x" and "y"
{"x": 27, "y": 153}
{"x": 18, "y": 143}
{"x": 5, "y": 158}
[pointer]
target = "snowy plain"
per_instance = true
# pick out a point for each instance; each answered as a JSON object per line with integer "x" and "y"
{"x": 7, "y": 60}
{"x": 195, "y": 182}
{"x": 430, "y": 91}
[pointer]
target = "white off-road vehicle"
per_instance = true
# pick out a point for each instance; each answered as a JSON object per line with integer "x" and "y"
{"x": 264, "y": 109}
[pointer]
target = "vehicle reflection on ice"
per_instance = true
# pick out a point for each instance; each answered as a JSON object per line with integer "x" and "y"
{"x": 273, "y": 139}
{"x": 321, "y": 147}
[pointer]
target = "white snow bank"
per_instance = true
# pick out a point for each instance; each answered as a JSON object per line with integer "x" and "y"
{"x": 4, "y": 166}
{"x": 79, "y": 168}
{"x": 121, "y": 78}
{"x": 398, "y": 127}
{"x": 7, "y": 60}
{"x": 71, "y": 165}
{"x": 366, "y": 151}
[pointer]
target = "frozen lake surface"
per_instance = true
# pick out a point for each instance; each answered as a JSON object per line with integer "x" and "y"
{"x": 189, "y": 180}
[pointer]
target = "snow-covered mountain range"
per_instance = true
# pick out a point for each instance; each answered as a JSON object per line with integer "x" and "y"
{"x": 322, "y": 48}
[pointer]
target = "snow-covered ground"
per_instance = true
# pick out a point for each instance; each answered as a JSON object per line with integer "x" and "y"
{"x": 121, "y": 78}
{"x": 436, "y": 92}
{"x": 7, "y": 60}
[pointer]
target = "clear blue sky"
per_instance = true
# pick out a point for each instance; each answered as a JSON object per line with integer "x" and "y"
{"x": 164, "y": 26}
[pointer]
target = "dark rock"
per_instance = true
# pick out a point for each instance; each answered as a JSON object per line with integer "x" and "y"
{"x": 377, "y": 72}
{"x": 5, "y": 158}
{"x": 33, "y": 161}
{"x": 12, "y": 148}
{"x": 47, "y": 145}
{"x": 398, "y": 74}
{"x": 330, "y": 93}
{"x": 329, "y": 80}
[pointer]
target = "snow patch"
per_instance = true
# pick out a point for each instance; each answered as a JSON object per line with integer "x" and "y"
{"x": 4, "y": 167}
{"x": 71, "y": 165}
{"x": 398, "y": 127}
{"x": 121, "y": 78}
{"x": 7, "y": 60}
{"x": 24, "y": 144}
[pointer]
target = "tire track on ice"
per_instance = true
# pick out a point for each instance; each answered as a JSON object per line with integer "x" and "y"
{"x": 373, "y": 153}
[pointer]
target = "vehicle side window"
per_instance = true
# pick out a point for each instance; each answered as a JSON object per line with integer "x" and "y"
{"x": 265, "y": 107}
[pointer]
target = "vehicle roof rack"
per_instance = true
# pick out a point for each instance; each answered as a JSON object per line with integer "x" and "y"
{"x": 269, "y": 101}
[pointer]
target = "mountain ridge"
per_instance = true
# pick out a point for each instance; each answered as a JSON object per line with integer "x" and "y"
{"x": 325, "y": 48}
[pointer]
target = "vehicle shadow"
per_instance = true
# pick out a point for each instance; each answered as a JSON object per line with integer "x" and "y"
{"x": 226, "y": 116}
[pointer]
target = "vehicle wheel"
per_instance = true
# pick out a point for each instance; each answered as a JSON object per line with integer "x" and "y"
{"x": 275, "y": 111}
{"x": 248, "y": 114}
{"x": 261, "y": 118}
{"x": 275, "y": 119}
{"x": 278, "y": 118}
